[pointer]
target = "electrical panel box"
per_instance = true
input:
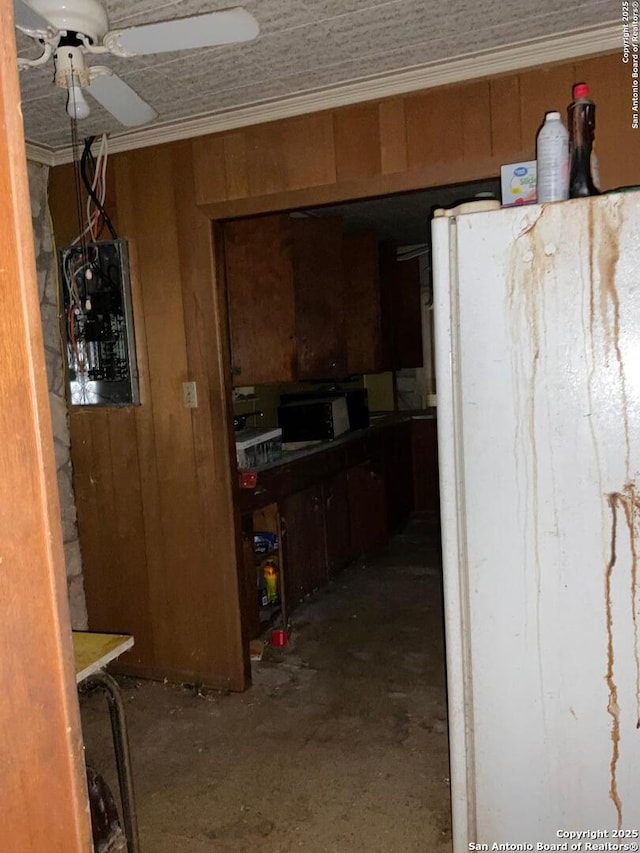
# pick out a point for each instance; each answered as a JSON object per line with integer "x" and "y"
{"x": 98, "y": 324}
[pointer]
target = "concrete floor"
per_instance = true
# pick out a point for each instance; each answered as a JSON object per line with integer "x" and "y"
{"x": 340, "y": 744}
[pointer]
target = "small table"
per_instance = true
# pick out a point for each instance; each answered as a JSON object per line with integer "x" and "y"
{"x": 92, "y": 652}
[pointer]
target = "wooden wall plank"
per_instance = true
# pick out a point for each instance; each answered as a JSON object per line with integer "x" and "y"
{"x": 210, "y": 154}
{"x": 393, "y": 136}
{"x": 434, "y": 127}
{"x": 308, "y": 158}
{"x": 357, "y": 142}
{"x": 44, "y": 799}
{"x": 123, "y": 178}
{"x": 131, "y": 602}
{"x": 265, "y": 173}
{"x": 155, "y": 233}
{"x": 506, "y": 126}
{"x": 103, "y": 583}
{"x": 223, "y": 656}
{"x": 475, "y": 100}
{"x": 235, "y": 155}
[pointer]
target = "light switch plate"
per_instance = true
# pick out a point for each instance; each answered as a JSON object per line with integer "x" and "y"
{"x": 189, "y": 395}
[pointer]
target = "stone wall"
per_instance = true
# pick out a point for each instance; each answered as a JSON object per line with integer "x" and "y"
{"x": 48, "y": 290}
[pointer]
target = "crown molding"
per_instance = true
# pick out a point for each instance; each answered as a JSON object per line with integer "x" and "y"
{"x": 487, "y": 63}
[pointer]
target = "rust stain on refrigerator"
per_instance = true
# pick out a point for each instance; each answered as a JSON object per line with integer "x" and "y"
{"x": 627, "y": 501}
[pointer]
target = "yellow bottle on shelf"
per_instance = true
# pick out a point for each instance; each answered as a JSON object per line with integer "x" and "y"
{"x": 270, "y": 572}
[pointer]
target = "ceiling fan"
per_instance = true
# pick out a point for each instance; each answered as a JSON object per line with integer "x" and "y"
{"x": 68, "y": 30}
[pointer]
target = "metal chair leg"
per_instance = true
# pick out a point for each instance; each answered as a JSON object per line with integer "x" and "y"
{"x": 123, "y": 757}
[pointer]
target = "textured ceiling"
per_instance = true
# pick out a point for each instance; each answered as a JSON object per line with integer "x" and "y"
{"x": 304, "y": 45}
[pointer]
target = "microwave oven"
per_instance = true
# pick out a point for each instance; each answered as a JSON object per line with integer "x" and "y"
{"x": 313, "y": 419}
{"x": 357, "y": 402}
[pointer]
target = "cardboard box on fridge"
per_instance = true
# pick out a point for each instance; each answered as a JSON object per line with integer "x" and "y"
{"x": 518, "y": 181}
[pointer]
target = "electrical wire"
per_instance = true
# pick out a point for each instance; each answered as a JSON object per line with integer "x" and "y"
{"x": 96, "y": 187}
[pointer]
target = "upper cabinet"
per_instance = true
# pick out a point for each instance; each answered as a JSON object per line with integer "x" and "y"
{"x": 284, "y": 289}
{"x": 309, "y": 302}
{"x": 363, "y": 315}
{"x": 261, "y": 300}
{"x": 318, "y": 286}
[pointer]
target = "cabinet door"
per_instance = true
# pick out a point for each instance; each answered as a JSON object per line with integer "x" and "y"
{"x": 260, "y": 296}
{"x": 362, "y": 302}
{"x": 318, "y": 273}
{"x": 367, "y": 507}
{"x": 335, "y": 496}
{"x": 305, "y": 560}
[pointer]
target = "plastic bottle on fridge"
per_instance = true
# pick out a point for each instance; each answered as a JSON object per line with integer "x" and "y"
{"x": 552, "y": 147}
{"x": 583, "y": 172}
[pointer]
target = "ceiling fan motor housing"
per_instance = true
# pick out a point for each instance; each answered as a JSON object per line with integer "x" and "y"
{"x": 88, "y": 17}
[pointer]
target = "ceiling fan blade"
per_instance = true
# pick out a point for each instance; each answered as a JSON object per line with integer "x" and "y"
{"x": 28, "y": 19}
{"x": 119, "y": 99}
{"x": 225, "y": 27}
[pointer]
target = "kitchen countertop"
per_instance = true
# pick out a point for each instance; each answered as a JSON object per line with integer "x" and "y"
{"x": 377, "y": 422}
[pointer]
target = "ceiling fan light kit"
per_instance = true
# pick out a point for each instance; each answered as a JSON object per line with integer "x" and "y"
{"x": 68, "y": 30}
{"x": 77, "y": 107}
{"x": 70, "y": 67}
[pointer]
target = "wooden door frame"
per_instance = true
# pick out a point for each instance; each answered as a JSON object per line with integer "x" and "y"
{"x": 44, "y": 799}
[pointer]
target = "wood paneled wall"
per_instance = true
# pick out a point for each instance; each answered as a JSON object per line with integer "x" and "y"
{"x": 152, "y": 483}
{"x": 441, "y": 136}
{"x": 153, "y": 488}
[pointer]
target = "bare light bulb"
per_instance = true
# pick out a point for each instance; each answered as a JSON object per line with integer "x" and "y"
{"x": 77, "y": 107}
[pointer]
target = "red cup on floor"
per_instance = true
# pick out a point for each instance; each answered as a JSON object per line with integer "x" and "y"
{"x": 279, "y": 638}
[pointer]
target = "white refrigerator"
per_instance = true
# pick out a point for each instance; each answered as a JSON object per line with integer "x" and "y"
{"x": 537, "y": 335}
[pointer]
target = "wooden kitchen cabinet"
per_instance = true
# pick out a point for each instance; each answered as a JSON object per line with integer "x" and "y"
{"x": 367, "y": 507}
{"x": 336, "y": 503}
{"x": 335, "y": 497}
{"x": 362, "y": 306}
{"x": 284, "y": 290}
{"x": 303, "y": 544}
{"x": 319, "y": 309}
{"x": 261, "y": 300}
